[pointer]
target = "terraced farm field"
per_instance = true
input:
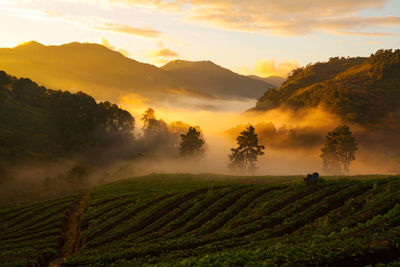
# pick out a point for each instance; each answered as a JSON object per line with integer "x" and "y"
{"x": 185, "y": 220}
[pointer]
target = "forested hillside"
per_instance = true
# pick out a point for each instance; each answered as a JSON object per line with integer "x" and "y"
{"x": 359, "y": 90}
{"x": 40, "y": 123}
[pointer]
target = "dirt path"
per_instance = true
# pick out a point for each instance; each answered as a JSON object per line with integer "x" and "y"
{"x": 72, "y": 232}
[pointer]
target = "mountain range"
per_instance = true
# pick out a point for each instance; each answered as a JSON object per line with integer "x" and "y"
{"x": 107, "y": 75}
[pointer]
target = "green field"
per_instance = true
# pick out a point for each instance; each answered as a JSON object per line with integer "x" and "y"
{"x": 210, "y": 220}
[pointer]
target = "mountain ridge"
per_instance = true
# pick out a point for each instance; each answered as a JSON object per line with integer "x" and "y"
{"x": 208, "y": 72}
{"x": 359, "y": 90}
{"x": 108, "y": 75}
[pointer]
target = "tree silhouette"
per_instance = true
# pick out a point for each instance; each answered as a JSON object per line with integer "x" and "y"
{"x": 148, "y": 116}
{"x": 153, "y": 128}
{"x": 191, "y": 143}
{"x": 339, "y": 150}
{"x": 244, "y": 156}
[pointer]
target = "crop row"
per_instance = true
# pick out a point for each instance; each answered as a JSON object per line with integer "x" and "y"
{"x": 150, "y": 213}
{"x": 34, "y": 237}
{"x": 238, "y": 238}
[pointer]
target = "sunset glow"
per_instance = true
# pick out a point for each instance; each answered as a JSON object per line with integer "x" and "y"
{"x": 269, "y": 37}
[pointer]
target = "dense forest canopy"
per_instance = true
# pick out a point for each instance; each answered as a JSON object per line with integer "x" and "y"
{"x": 39, "y": 123}
{"x": 359, "y": 90}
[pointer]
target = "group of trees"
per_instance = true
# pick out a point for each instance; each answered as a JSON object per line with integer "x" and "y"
{"x": 173, "y": 139}
{"x": 337, "y": 153}
{"x": 40, "y": 123}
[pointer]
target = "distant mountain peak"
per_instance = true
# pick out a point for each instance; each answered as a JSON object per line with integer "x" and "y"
{"x": 31, "y": 44}
{"x": 187, "y": 63}
{"x": 86, "y": 45}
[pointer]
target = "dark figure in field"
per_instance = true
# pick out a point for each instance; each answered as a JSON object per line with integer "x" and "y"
{"x": 311, "y": 178}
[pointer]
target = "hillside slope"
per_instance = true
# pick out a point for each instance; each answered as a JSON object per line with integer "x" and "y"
{"x": 91, "y": 68}
{"x": 207, "y": 77}
{"x": 108, "y": 75}
{"x": 365, "y": 91}
{"x": 186, "y": 220}
{"x": 40, "y": 123}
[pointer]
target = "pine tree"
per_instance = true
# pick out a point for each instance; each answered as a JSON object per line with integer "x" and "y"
{"x": 339, "y": 150}
{"x": 244, "y": 156}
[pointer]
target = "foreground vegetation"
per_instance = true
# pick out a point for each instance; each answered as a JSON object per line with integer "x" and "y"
{"x": 181, "y": 220}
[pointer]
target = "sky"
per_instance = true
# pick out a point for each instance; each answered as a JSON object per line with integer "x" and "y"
{"x": 261, "y": 37}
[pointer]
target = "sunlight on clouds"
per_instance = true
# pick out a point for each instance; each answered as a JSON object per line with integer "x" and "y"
{"x": 270, "y": 67}
{"x": 127, "y": 29}
{"x": 174, "y": 5}
{"x": 281, "y": 17}
{"x": 161, "y": 55}
{"x": 89, "y": 22}
{"x": 372, "y": 43}
{"x": 104, "y": 24}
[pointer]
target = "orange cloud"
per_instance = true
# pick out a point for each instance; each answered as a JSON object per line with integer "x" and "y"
{"x": 115, "y": 27}
{"x": 283, "y": 17}
{"x": 270, "y": 67}
{"x": 98, "y": 23}
{"x": 162, "y": 54}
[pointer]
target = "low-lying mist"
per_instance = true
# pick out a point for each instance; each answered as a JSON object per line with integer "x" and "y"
{"x": 292, "y": 140}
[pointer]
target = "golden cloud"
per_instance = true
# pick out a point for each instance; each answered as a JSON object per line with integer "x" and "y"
{"x": 101, "y": 24}
{"x": 165, "y": 52}
{"x": 122, "y": 28}
{"x": 270, "y": 67}
{"x": 162, "y": 54}
{"x": 283, "y": 17}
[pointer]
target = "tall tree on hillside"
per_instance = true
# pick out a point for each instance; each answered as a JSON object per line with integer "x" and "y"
{"x": 244, "y": 156}
{"x": 339, "y": 150}
{"x": 191, "y": 143}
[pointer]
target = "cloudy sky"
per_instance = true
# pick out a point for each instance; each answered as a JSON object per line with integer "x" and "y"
{"x": 263, "y": 37}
